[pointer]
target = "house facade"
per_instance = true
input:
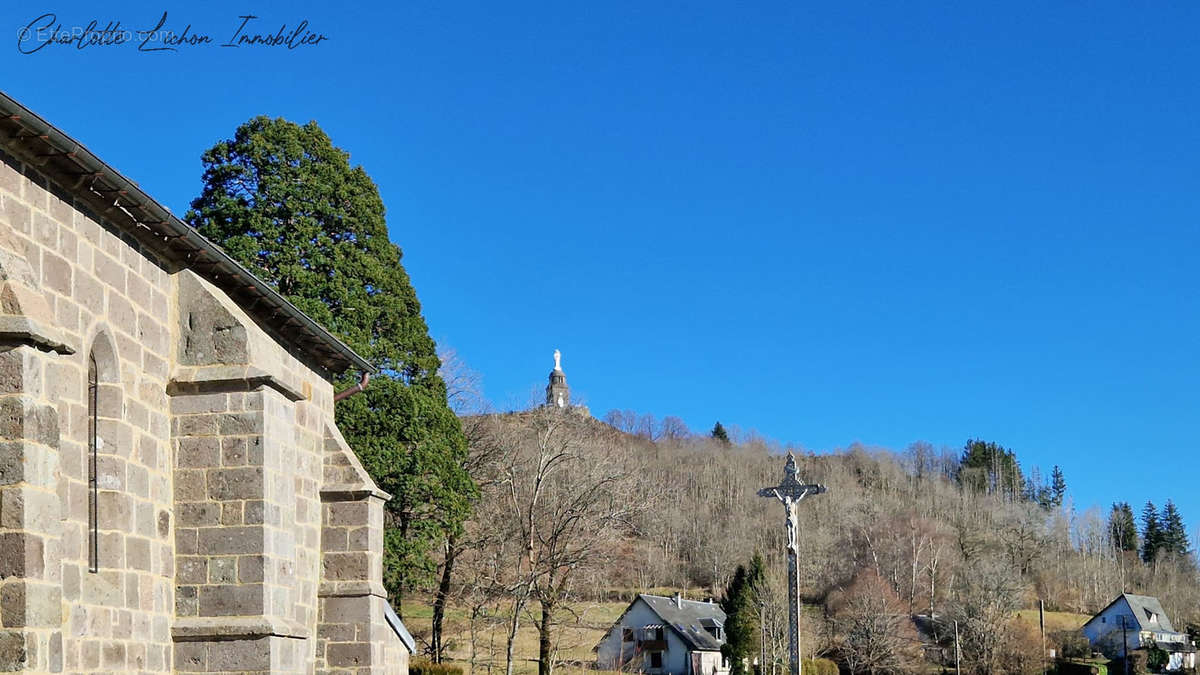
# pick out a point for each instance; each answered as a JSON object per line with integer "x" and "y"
{"x": 174, "y": 493}
{"x": 666, "y": 636}
{"x": 1132, "y": 622}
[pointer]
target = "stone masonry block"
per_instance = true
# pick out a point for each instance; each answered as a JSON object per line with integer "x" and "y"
{"x": 250, "y": 568}
{"x": 356, "y": 609}
{"x": 191, "y": 570}
{"x": 222, "y": 570}
{"x": 21, "y": 555}
{"x": 190, "y": 485}
{"x": 231, "y": 540}
{"x": 349, "y": 654}
{"x": 231, "y": 600}
{"x": 30, "y": 604}
{"x": 240, "y": 424}
{"x": 243, "y": 483}
{"x": 346, "y": 566}
{"x": 190, "y": 657}
{"x": 200, "y": 452}
{"x": 13, "y": 656}
{"x": 198, "y": 514}
{"x": 240, "y": 655}
{"x": 21, "y": 419}
{"x": 347, "y": 513}
{"x": 186, "y": 601}
{"x": 56, "y": 273}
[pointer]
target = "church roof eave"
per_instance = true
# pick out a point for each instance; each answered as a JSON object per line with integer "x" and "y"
{"x": 103, "y": 190}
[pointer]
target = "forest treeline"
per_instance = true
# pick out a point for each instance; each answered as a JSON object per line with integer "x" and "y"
{"x": 573, "y": 509}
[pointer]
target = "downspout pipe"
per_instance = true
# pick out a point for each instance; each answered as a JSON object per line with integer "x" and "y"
{"x": 350, "y": 391}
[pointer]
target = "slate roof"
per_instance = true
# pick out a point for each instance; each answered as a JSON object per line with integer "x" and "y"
{"x": 688, "y": 620}
{"x": 1142, "y": 607}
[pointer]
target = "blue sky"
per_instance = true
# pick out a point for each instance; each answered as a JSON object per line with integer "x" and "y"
{"x": 837, "y": 222}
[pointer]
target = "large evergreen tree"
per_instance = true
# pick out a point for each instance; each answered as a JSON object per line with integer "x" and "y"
{"x": 718, "y": 432}
{"x": 1174, "y": 534}
{"x": 1058, "y": 487}
{"x": 1152, "y": 533}
{"x": 741, "y": 605}
{"x": 286, "y": 203}
{"x": 1122, "y": 527}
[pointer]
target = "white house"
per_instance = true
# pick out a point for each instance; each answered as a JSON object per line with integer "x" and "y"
{"x": 1139, "y": 621}
{"x": 666, "y": 636}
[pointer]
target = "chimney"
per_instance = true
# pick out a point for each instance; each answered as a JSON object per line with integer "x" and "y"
{"x": 678, "y": 600}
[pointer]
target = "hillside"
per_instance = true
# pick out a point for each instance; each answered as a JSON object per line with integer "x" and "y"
{"x": 573, "y": 508}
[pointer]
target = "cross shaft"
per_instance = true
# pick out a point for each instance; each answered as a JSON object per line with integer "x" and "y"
{"x": 789, "y": 492}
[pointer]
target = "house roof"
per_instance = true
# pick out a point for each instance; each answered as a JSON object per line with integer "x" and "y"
{"x": 1142, "y": 607}
{"x": 89, "y": 183}
{"x": 687, "y": 619}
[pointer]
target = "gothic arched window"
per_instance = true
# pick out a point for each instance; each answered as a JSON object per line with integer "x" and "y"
{"x": 93, "y": 397}
{"x": 104, "y": 409}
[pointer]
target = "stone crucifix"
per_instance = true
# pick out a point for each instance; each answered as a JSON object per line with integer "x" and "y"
{"x": 789, "y": 492}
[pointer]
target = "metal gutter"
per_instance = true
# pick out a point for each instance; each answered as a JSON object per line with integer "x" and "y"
{"x": 171, "y": 227}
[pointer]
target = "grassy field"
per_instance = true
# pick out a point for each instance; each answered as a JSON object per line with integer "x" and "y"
{"x": 584, "y": 625}
{"x": 1055, "y": 621}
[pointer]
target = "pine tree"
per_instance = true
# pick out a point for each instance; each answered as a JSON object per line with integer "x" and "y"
{"x": 988, "y": 467}
{"x": 1058, "y": 487}
{"x": 1175, "y": 540}
{"x": 1152, "y": 533}
{"x": 284, "y": 202}
{"x": 1122, "y": 528}
{"x": 742, "y": 615}
{"x": 719, "y": 433}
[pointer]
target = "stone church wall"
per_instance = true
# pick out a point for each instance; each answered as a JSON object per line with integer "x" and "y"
{"x": 236, "y": 532}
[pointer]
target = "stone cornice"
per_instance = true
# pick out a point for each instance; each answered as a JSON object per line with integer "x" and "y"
{"x": 208, "y": 629}
{"x": 23, "y": 330}
{"x": 351, "y": 589}
{"x": 350, "y": 492}
{"x": 208, "y": 379}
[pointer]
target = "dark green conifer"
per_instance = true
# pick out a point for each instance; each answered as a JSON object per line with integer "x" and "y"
{"x": 990, "y": 468}
{"x": 1122, "y": 528}
{"x": 1058, "y": 486}
{"x": 719, "y": 433}
{"x": 742, "y": 607}
{"x": 1152, "y": 533}
{"x": 1175, "y": 539}
{"x": 286, "y": 203}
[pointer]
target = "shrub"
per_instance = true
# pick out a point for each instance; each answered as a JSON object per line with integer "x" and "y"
{"x": 1137, "y": 664}
{"x": 429, "y": 668}
{"x": 1156, "y": 658}
{"x": 1072, "y": 644}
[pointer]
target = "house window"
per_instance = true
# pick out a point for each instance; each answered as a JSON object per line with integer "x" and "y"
{"x": 656, "y": 659}
{"x": 1104, "y": 619}
{"x": 93, "y": 397}
{"x": 626, "y": 635}
{"x": 660, "y": 633}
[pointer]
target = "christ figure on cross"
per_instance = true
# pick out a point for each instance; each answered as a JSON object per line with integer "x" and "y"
{"x": 789, "y": 492}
